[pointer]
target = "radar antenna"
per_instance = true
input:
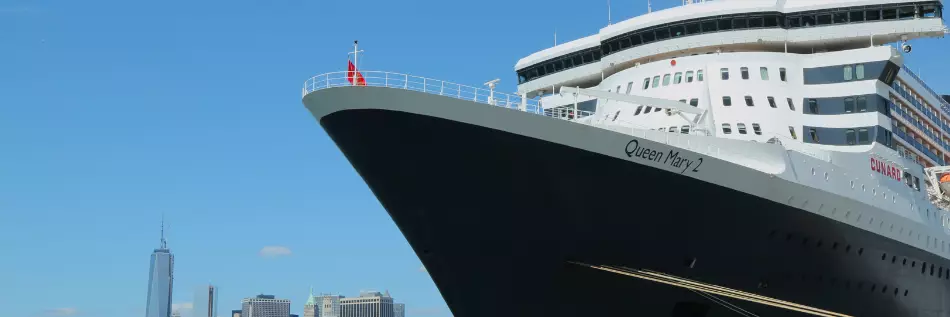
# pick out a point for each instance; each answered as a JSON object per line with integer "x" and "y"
{"x": 163, "y": 245}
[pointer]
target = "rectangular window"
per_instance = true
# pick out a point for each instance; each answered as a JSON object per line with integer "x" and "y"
{"x": 813, "y": 134}
{"x": 755, "y": 22}
{"x": 772, "y": 102}
{"x": 692, "y": 28}
{"x": 859, "y": 71}
{"x": 764, "y": 71}
{"x": 648, "y": 36}
{"x": 618, "y": 89}
{"x": 646, "y": 83}
{"x": 905, "y": 13}
{"x": 629, "y": 87}
{"x": 672, "y": 129}
{"x": 813, "y": 106}
{"x": 863, "y": 136}
{"x": 577, "y": 60}
{"x": 677, "y": 30}
{"x": 725, "y": 24}
{"x": 678, "y": 78}
{"x": 848, "y": 73}
{"x": 748, "y": 101}
{"x": 725, "y": 73}
{"x": 741, "y": 128}
{"x": 699, "y": 75}
{"x": 916, "y": 183}
{"x": 684, "y": 129}
{"x": 740, "y": 23}
{"x": 857, "y": 16}
{"x": 694, "y": 102}
{"x": 639, "y": 109}
{"x": 808, "y": 20}
{"x": 709, "y": 26}
{"x": 656, "y": 81}
{"x": 726, "y": 101}
{"x": 726, "y": 128}
{"x": 889, "y": 14}
{"x": 689, "y": 76}
{"x": 791, "y": 106}
{"x": 745, "y": 72}
{"x": 862, "y": 103}
{"x": 849, "y": 105}
{"x": 662, "y": 34}
{"x": 840, "y": 17}
{"x": 781, "y": 74}
{"x": 824, "y": 19}
{"x": 771, "y": 21}
{"x": 794, "y": 22}
{"x": 757, "y": 129}
{"x": 666, "y": 80}
{"x": 872, "y": 15}
{"x": 648, "y": 109}
{"x": 791, "y": 131}
{"x": 928, "y": 11}
{"x": 849, "y": 136}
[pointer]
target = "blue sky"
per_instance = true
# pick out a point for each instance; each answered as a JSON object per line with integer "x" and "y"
{"x": 113, "y": 113}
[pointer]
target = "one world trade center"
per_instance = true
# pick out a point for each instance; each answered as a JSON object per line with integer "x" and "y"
{"x": 160, "y": 279}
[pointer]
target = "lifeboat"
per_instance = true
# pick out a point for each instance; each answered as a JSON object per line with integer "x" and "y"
{"x": 945, "y": 183}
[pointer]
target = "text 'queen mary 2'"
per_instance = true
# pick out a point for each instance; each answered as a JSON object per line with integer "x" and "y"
{"x": 727, "y": 158}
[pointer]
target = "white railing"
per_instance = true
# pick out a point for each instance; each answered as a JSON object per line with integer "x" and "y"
{"x": 426, "y": 85}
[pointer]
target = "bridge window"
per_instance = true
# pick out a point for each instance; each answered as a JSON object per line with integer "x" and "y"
{"x": 678, "y": 30}
{"x": 824, "y": 19}
{"x": 726, "y": 128}
{"x": 794, "y": 22}
{"x": 666, "y": 80}
{"x": 699, "y": 75}
{"x": 748, "y": 101}
{"x": 646, "y": 83}
{"x": 741, "y": 128}
{"x": 813, "y": 134}
{"x": 791, "y": 106}
{"x": 864, "y": 136}
{"x": 862, "y": 103}
{"x": 808, "y": 20}
{"x": 889, "y": 14}
{"x": 849, "y": 105}
{"x": 857, "y": 16}
{"x": 928, "y": 11}
{"x": 689, "y": 76}
{"x": 726, "y": 101}
{"x": 764, "y": 71}
{"x": 849, "y": 136}
{"x": 840, "y": 17}
{"x": 740, "y": 23}
{"x": 745, "y": 72}
{"x": 725, "y": 73}
{"x": 772, "y": 102}
{"x": 859, "y": 71}
{"x": 872, "y": 15}
{"x": 678, "y": 78}
{"x": 905, "y": 13}
{"x": 684, "y": 129}
{"x": 781, "y": 74}
{"x": 656, "y": 81}
{"x": 848, "y": 73}
{"x": 813, "y": 106}
{"x": 755, "y": 22}
{"x": 757, "y": 129}
{"x": 672, "y": 129}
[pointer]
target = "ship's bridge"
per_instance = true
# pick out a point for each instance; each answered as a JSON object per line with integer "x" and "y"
{"x": 794, "y": 26}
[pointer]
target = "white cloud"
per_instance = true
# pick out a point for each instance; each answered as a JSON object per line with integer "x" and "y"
{"x": 274, "y": 251}
{"x": 422, "y": 268}
{"x": 59, "y": 312}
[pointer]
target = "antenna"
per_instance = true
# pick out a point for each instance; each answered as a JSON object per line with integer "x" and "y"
{"x": 608, "y": 12}
{"x": 649, "y": 7}
{"x": 163, "y": 246}
{"x": 555, "y": 36}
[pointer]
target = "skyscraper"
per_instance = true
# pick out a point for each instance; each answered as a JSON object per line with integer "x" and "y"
{"x": 399, "y": 310}
{"x": 206, "y": 301}
{"x": 369, "y": 304}
{"x": 160, "y": 279}
{"x": 311, "y": 308}
{"x": 265, "y": 306}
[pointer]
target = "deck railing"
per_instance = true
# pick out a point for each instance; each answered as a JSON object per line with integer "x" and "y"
{"x": 426, "y": 85}
{"x": 944, "y": 105}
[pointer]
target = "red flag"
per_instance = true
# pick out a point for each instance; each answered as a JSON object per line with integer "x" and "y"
{"x": 352, "y": 73}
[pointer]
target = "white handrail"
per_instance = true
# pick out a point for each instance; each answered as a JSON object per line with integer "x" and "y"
{"x": 422, "y": 84}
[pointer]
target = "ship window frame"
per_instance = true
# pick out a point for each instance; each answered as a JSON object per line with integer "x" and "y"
{"x": 925, "y": 11}
{"x": 740, "y": 23}
{"x": 813, "y": 105}
{"x": 848, "y": 72}
{"x": 888, "y": 14}
{"x": 808, "y": 20}
{"x": 649, "y": 109}
{"x": 699, "y": 75}
{"x": 823, "y": 18}
{"x": 694, "y": 102}
{"x": 639, "y": 109}
{"x": 872, "y": 15}
{"x": 856, "y": 16}
{"x": 859, "y": 73}
{"x": 744, "y": 71}
{"x": 849, "y": 105}
{"x": 813, "y": 133}
{"x": 724, "y": 73}
{"x": 646, "y": 84}
{"x": 793, "y": 22}
{"x": 906, "y": 12}
{"x": 756, "y": 22}
{"x": 724, "y": 24}
{"x": 684, "y": 129}
{"x": 689, "y": 76}
{"x": 782, "y": 74}
{"x": 693, "y": 28}
{"x": 764, "y": 73}
{"x": 864, "y": 136}
{"x": 850, "y": 136}
{"x": 629, "y": 87}
{"x": 772, "y": 102}
{"x": 791, "y": 105}
{"x": 791, "y": 131}
{"x": 757, "y": 129}
{"x": 656, "y": 81}
{"x": 771, "y": 20}
{"x": 677, "y": 29}
{"x": 678, "y": 78}
{"x": 666, "y": 79}
{"x": 726, "y": 128}
{"x": 726, "y": 101}
{"x": 749, "y": 101}
{"x": 740, "y": 127}
{"x": 662, "y": 34}
{"x": 836, "y": 17}
{"x": 648, "y": 36}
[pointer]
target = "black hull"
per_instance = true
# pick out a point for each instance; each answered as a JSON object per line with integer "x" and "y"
{"x": 497, "y": 218}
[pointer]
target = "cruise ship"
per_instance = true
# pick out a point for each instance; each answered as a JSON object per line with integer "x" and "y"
{"x": 718, "y": 158}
